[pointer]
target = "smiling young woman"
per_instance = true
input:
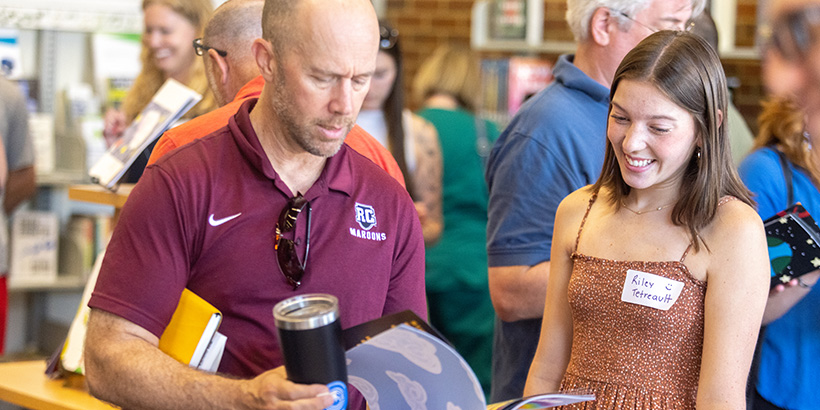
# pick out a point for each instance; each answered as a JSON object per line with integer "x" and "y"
{"x": 628, "y": 313}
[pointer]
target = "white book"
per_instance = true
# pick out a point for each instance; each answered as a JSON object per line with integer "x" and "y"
{"x": 71, "y": 356}
{"x": 34, "y": 236}
{"x": 213, "y": 354}
{"x": 169, "y": 103}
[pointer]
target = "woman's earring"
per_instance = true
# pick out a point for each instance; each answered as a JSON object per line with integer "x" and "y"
{"x": 698, "y": 153}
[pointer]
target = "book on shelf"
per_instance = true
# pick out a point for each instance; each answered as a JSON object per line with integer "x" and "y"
{"x": 34, "y": 248}
{"x": 793, "y": 239}
{"x": 169, "y": 104}
{"x": 526, "y": 77}
{"x": 508, "y": 20}
{"x": 84, "y": 237}
{"x": 494, "y": 84}
{"x": 401, "y": 362}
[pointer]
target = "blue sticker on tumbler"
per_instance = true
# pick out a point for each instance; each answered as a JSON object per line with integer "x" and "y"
{"x": 339, "y": 392}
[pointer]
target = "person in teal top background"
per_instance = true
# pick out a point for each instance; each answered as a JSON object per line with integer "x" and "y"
{"x": 448, "y": 88}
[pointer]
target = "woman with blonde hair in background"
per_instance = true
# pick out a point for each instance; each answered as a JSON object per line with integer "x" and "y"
{"x": 170, "y": 28}
{"x": 448, "y": 87}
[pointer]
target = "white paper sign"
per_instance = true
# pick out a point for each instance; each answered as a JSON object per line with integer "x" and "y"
{"x": 650, "y": 290}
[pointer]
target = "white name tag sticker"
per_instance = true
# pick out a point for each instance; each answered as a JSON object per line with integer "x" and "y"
{"x": 650, "y": 290}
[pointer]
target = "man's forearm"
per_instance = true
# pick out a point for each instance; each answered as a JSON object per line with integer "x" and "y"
{"x": 519, "y": 292}
{"x": 20, "y": 186}
{"x": 132, "y": 373}
{"x": 125, "y": 367}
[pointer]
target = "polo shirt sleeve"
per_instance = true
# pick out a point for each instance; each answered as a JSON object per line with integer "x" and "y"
{"x": 763, "y": 175}
{"x": 406, "y": 289}
{"x": 146, "y": 264}
{"x": 527, "y": 183}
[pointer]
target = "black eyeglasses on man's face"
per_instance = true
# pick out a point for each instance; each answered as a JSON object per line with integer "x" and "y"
{"x": 201, "y": 49}
{"x": 286, "y": 255}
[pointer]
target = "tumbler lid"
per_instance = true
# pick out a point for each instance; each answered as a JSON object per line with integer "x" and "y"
{"x": 305, "y": 312}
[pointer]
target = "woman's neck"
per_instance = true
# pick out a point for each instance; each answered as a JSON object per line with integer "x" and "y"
{"x": 440, "y": 100}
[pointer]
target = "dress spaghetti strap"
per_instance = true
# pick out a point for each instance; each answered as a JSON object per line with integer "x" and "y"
{"x": 686, "y": 252}
{"x": 722, "y": 201}
{"x": 581, "y": 228}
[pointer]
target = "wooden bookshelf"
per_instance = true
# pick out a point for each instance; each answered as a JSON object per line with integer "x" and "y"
{"x": 99, "y": 195}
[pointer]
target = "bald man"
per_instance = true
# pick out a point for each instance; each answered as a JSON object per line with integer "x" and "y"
{"x": 231, "y": 217}
{"x": 233, "y": 77}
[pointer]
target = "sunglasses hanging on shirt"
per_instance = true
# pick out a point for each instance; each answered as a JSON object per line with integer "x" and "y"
{"x": 286, "y": 255}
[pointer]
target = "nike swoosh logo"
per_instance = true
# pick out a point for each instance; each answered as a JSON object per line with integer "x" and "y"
{"x": 217, "y": 222}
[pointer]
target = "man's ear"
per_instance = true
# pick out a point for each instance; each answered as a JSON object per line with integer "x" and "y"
{"x": 600, "y": 25}
{"x": 263, "y": 54}
{"x": 220, "y": 66}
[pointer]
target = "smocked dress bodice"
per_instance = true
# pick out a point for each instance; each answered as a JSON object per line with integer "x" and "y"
{"x": 629, "y": 355}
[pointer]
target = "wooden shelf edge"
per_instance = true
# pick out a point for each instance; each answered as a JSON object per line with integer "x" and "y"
{"x": 65, "y": 283}
{"x": 99, "y": 195}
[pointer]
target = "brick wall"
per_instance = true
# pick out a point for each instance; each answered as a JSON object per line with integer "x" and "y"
{"x": 424, "y": 24}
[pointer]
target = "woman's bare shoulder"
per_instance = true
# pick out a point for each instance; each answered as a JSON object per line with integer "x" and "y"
{"x": 735, "y": 223}
{"x": 735, "y": 216}
{"x": 573, "y": 207}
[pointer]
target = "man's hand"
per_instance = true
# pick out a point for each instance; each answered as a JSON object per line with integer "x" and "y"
{"x": 270, "y": 390}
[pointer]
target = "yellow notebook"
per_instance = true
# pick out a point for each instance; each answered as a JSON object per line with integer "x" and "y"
{"x": 191, "y": 329}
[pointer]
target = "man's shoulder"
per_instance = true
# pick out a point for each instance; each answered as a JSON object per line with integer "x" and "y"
{"x": 193, "y": 154}
{"x": 559, "y": 106}
{"x": 555, "y": 113}
{"x": 360, "y": 141}
{"x": 194, "y": 129}
{"x": 367, "y": 173}
{"x": 203, "y": 124}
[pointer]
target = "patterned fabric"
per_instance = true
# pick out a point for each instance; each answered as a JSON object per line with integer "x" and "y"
{"x": 632, "y": 356}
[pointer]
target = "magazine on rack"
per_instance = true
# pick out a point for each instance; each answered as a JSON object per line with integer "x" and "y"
{"x": 169, "y": 104}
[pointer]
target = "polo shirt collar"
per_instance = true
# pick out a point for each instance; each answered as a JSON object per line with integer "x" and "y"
{"x": 571, "y": 76}
{"x": 337, "y": 175}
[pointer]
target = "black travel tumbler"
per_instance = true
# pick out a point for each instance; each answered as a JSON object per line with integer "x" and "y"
{"x": 310, "y": 336}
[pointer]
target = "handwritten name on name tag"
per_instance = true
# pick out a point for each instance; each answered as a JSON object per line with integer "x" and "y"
{"x": 650, "y": 290}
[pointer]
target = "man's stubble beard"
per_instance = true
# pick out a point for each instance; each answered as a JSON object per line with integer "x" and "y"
{"x": 301, "y": 133}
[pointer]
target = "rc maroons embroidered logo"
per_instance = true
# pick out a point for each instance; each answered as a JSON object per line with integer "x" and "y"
{"x": 366, "y": 218}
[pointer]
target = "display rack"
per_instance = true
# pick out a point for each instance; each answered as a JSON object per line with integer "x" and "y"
{"x": 93, "y": 16}
{"x": 480, "y": 38}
